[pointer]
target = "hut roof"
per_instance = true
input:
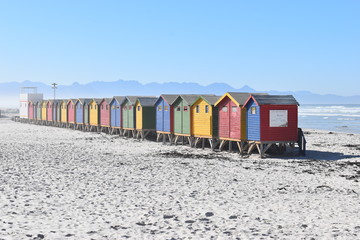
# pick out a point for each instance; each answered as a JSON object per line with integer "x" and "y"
{"x": 107, "y": 100}
{"x": 210, "y": 99}
{"x": 169, "y": 98}
{"x": 239, "y": 98}
{"x": 191, "y": 98}
{"x": 84, "y": 100}
{"x": 119, "y": 99}
{"x": 262, "y": 99}
{"x": 97, "y": 100}
{"x": 147, "y": 101}
{"x": 132, "y": 99}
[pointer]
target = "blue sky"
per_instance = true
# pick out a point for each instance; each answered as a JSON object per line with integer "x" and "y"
{"x": 268, "y": 45}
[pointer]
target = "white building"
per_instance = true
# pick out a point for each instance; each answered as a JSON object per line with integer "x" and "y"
{"x": 28, "y": 94}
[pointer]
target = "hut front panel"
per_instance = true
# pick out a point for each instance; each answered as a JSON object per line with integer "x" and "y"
{"x": 287, "y": 132}
{"x": 224, "y": 118}
{"x": 139, "y": 116}
{"x": 235, "y": 117}
{"x": 49, "y": 111}
{"x": 58, "y": 114}
{"x": 128, "y": 115}
{"x": 148, "y": 117}
{"x": 115, "y": 114}
{"x": 201, "y": 123}
{"x": 43, "y": 111}
{"x": 86, "y": 113}
{"x": 182, "y": 114}
{"x": 63, "y": 113}
{"x": 104, "y": 114}
{"x": 54, "y": 109}
{"x": 71, "y": 112}
{"x": 253, "y": 121}
{"x": 79, "y": 118}
{"x": 94, "y": 114}
{"x": 38, "y": 113}
{"x": 160, "y": 115}
{"x": 31, "y": 111}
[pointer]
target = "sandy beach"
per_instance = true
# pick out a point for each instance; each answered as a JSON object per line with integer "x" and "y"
{"x": 64, "y": 184}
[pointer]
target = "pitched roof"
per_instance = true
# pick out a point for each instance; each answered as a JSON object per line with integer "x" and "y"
{"x": 169, "y": 98}
{"x": 119, "y": 99}
{"x": 107, "y": 100}
{"x": 147, "y": 101}
{"x": 97, "y": 100}
{"x": 84, "y": 100}
{"x": 211, "y": 99}
{"x": 191, "y": 98}
{"x": 262, "y": 99}
{"x": 132, "y": 99}
{"x": 239, "y": 97}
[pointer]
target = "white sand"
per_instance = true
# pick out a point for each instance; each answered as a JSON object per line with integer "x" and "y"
{"x": 65, "y": 184}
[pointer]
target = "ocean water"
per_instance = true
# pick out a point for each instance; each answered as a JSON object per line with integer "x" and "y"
{"x": 338, "y": 118}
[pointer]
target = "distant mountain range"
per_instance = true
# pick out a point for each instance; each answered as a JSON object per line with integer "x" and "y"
{"x": 9, "y": 92}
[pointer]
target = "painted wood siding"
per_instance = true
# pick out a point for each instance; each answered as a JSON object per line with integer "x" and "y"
{"x": 79, "y": 118}
{"x": 139, "y": 116}
{"x": 160, "y": 115}
{"x": 224, "y": 118}
{"x": 49, "y": 107}
{"x": 104, "y": 114}
{"x": 289, "y": 133}
{"x": 128, "y": 115}
{"x": 201, "y": 122}
{"x": 86, "y": 113}
{"x": 71, "y": 112}
{"x": 63, "y": 112}
{"x": 94, "y": 114}
{"x": 58, "y": 114}
{"x": 54, "y": 109}
{"x": 148, "y": 117}
{"x": 115, "y": 114}
{"x": 31, "y": 111}
{"x": 253, "y": 122}
{"x": 182, "y": 117}
{"x": 43, "y": 111}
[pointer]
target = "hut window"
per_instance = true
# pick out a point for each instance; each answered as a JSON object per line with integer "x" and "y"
{"x": 159, "y": 108}
{"x": 166, "y": 108}
{"x": 117, "y": 107}
{"x": 113, "y": 107}
{"x": 107, "y": 107}
{"x": 102, "y": 107}
{"x": 234, "y": 109}
{"x": 224, "y": 109}
{"x": 138, "y": 108}
{"x": 185, "y": 108}
{"x": 95, "y": 106}
{"x": 253, "y": 110}
{"x": 206, "y": 108}
{"x": 197, "y": 108}
{"x": 90, "y": 106}
{"x": 130, "y": 107}
{"x": 125, "y": 108}
{"x": 178, "y": 108}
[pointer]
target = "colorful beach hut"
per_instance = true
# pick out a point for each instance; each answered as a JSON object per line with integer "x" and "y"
{"x": 94, "y": 114}
{"x": 204, "y": 120}
{"x": 128, "y": 115}
{"x": 271, "y": 119}
{"x": 81, "y": 109}
{"x": 182, "y": 114}
{"x": 49, "y": 110}
{"x": 57, "y": 112}
{"x": 38, "y": 111}
{"x": 165, "y": 116}
{"x": 115, "y": 114}
{"x": 71, "y": 112}
{"x": 145, "y": 116}
{"x": 64, "y": 118}
{"x": 31, "y": 110}
{"x": 43, "y": 111}
{"x": 104, "y": 110}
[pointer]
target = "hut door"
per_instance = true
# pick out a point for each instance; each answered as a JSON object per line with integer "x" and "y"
{"x": 225, "y": 120}
{"x": 234, "y": 121}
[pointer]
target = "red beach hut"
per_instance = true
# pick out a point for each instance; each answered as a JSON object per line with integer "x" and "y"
{"x": 105, "y": 112}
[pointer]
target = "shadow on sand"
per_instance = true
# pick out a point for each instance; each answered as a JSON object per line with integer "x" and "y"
{"x": 324, "y": 155}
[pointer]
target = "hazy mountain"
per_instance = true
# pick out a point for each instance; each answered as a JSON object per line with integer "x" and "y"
{"x": 9, "y": 92}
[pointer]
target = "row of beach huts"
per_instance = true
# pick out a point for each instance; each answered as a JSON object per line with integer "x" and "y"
{"x": 236, "y": 119}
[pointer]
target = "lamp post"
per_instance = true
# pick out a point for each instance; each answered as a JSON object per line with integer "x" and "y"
{"x": 54, "y": 86}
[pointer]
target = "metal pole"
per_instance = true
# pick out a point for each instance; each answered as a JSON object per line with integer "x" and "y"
{"x": 54, "y": 87}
